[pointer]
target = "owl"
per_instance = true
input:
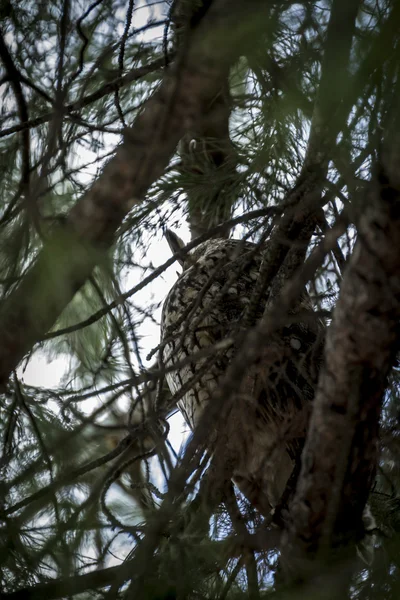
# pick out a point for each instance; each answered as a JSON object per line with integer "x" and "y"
{"x": 202, "y": 318}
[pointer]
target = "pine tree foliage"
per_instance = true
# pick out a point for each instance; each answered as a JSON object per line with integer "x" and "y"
{"x": 255, "y": 120}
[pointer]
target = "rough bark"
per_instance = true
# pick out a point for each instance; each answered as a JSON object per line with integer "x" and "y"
{"x": 339, "y": 458}
{"x": 69, "y": 256}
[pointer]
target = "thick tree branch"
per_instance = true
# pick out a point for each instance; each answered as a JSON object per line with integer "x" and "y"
{"x": 339, "y": 458}
{"x": 69, "y": 256}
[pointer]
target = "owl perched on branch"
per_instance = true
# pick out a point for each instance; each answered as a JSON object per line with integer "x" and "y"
{"x": 203, "y": 316}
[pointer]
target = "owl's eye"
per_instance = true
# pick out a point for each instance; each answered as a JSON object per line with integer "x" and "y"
{"x": 295, "y": 343}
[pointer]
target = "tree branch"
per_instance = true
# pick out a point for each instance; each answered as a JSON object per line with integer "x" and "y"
{"x": 233, "y": 546}
{"x": 69, "y": 256}
{"x": 104, "y": 90}
{"x": 339, "y": 458}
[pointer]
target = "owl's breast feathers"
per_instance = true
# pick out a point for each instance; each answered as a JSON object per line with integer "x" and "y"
{"x": 268, "y": 415}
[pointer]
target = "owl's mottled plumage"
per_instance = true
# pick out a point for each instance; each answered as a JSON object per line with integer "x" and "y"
{"x": 267, "y": 419}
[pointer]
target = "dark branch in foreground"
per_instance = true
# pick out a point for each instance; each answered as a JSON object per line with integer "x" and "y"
{"x": 338, "y": 463}
{"x": 235, "y": 545}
